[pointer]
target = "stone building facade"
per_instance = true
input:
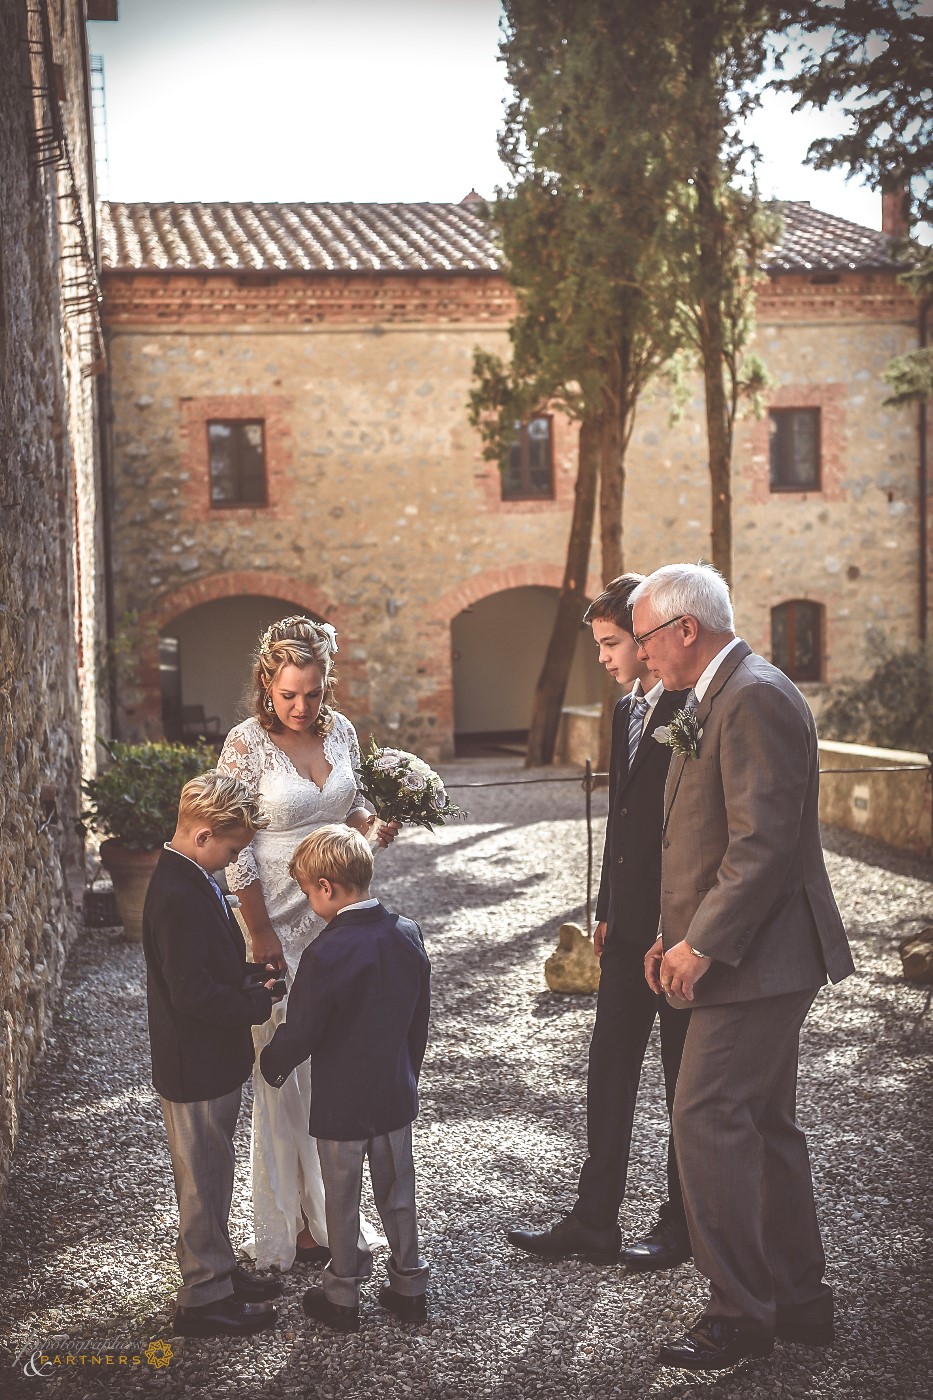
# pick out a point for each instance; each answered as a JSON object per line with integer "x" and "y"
{"x": 51, "y": 596}
{"x": 344, "y": 335}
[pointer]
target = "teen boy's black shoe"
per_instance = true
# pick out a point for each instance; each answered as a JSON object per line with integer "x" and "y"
{"x": 712, "y": 1343}
{"x": 407, "y": 1309}
{"x": 664, "y": 1246}
{"x": 250, "y": 1288}
{"x": 317, "y": 1305}
{"x": 227, "y": 1317}
{"x": 569, "y": 1236}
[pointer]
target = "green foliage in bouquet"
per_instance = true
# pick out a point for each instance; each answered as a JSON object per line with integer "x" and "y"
{"x": 134, "y": 801}
{"x": 892, "y": 708}
{"x": 403, "y": 789}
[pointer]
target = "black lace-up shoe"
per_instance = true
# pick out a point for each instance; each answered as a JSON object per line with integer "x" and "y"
{"x": 569, "y": 1237}
{"x": 664, "y": 1246}
{"x": 317, "y": 1305}
{"x": 250, "y": 1288}
{"x": 228, "y": 1317}
{"x": 713, "y": 1343}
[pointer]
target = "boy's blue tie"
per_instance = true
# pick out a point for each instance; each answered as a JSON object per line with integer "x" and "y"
{"x": 636, "y": 723}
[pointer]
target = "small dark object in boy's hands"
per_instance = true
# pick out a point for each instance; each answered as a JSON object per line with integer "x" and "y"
{"x": 277, "y": 988}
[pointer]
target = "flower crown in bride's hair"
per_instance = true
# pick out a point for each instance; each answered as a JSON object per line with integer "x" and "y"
{"x": 279, "y": 631}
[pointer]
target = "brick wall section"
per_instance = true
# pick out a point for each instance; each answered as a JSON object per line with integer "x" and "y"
{"x": 385, "y": 508}
{"x": 49, "y": 568}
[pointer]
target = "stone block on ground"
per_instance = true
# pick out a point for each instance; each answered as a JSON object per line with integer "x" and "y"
{"x": 917, "y": 956}
{"x": 573, "y": 966}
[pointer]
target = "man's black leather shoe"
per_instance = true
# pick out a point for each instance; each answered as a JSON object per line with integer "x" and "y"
{"x": 227, "y": 1317}
{"x": 408, "y": 1309}
{"x": 250, "y": 1288}
{"x": 712, "y": 1343}
{"x": 665, "y": 1245}
{"x": 317, "y": 1305}
{"x": 568, "y": 1237}
{"x": 801, "y": 1325}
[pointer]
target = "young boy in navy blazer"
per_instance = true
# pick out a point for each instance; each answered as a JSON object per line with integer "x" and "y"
{"x": 201, "y": 1008}
{"x": 358, "y": 1008}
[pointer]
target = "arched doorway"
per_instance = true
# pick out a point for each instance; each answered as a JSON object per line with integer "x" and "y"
{"x": 205, "y": 663}
{"x": 498, "y": 646}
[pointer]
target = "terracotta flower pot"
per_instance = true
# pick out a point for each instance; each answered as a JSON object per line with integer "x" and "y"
{"x": 130, "y": 872}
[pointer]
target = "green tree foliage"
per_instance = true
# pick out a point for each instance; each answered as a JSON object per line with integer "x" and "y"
{"x": 892, "y": 708}
{"x": 876, "y": 58}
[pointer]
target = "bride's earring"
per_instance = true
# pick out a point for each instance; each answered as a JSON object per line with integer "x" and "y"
{"x": 268, "y": 705}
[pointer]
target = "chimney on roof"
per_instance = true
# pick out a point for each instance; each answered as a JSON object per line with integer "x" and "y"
{"x": 474, "y": 202}
{"x": 895, "y": 206}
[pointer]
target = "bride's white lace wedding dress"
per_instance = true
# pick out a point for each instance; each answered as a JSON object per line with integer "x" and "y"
{"x": 285, "y": 1167}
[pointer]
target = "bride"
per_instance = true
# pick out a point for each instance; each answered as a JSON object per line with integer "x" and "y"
{"x": 302, "y": 756}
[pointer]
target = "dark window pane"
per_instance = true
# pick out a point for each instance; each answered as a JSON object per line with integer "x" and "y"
{"x": 796, "y": 640}
{"x": 527, "y": 473}
{"x": 795, "y": 449}
{"x": 237, "y": 457}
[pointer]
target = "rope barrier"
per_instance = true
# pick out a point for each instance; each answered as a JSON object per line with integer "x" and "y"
{"x": 587, "y": 780}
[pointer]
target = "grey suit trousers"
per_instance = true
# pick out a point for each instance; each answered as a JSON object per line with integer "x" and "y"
{"x": 744, "y": 1164}
{"x": 392, "y": 1172}
{"x": 200, "y": 1141}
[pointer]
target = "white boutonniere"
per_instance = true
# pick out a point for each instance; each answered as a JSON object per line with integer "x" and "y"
{"x": 232, "y": 900}
{"x": 683, "y": 734}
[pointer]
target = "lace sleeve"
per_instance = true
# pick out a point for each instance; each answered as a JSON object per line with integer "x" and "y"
{"x": 241, "y": 759}
{"x": 353, "y": 744}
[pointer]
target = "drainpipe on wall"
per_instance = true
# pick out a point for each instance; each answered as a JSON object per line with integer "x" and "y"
{"x": 922, "y": 487}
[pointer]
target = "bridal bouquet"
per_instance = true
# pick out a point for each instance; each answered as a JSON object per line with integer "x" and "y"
{"x": 403, "y": 789}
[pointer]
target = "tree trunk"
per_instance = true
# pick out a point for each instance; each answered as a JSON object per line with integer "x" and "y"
{"x": 615, "y": 435}
{"x": 719, "y": 417}
{"x": 611, "y": 480}
{"x": 552, "y": 682}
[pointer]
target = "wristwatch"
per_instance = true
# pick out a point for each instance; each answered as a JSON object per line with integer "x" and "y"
{"x": 697, "y": 954}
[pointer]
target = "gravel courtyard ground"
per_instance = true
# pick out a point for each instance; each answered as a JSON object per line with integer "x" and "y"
{"x": 89, "y": 1224}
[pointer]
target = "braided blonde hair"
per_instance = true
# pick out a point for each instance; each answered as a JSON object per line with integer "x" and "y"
{"x": 295, "y": 641}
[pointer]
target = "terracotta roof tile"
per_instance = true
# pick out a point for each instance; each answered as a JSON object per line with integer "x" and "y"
{"x": 400, "y": 238}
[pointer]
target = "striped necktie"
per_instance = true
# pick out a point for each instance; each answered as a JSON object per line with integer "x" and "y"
{"x": 636, "y": 723}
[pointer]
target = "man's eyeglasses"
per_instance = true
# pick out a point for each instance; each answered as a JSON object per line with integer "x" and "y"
{"x": 640, "y": 641}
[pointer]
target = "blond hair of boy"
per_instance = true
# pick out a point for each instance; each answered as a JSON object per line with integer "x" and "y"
{"x": 337, "y": 854}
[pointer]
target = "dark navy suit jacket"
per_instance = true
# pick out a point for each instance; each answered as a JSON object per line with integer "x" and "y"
{"x": 630, "y": 887}
{"x": 200, "y": 1012}
{"x": 358, "y": 1008}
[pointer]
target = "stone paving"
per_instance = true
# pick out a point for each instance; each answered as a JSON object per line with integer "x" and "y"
{"x": 89, "y": 1223}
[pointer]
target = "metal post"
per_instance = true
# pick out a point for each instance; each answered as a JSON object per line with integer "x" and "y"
{"x": 588, "y": 789}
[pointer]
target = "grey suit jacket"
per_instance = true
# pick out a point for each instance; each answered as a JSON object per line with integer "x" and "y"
{"x": 742, "y": 871}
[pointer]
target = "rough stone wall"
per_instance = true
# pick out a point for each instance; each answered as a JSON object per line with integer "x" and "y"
{"x": 50, "y": 531}
{"x": 382, "y": 510}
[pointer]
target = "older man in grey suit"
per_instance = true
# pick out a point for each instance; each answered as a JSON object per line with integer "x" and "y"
{"x": 749, "y": 933}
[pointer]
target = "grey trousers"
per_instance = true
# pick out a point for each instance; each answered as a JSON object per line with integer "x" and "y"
{"x": 200, "y": 1141}
{"x": 744, "y": 1163}
{"x": 392, "y": 1172}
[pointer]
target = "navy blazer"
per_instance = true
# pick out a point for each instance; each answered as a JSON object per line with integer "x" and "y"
{"x": 358, "y": 1008}
{"x": 629, "y": 899}
{"x": 200, "y": 1012}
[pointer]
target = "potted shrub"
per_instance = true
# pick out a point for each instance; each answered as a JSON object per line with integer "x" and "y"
{"x": 133, "y": 803}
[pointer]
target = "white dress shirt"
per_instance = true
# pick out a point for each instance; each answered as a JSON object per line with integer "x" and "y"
{"x": 358, "y": 904}
{"x": 702, "y": 685}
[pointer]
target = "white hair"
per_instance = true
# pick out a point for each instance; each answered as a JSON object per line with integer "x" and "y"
{"x": 693, "y": 590}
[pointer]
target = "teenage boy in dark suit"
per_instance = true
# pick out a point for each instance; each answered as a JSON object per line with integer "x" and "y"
{"x": 358, "y": 1008}
{"x": 201, "y": 1009}
{"x": 627, "y": 910}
